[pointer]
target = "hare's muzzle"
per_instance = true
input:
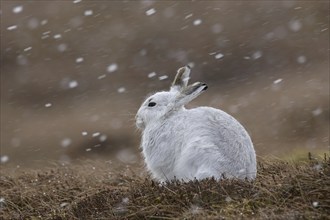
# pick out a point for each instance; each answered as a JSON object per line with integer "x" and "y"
{"x": 139, "y": 122}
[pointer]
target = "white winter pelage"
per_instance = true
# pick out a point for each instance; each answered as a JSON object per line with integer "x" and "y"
{"x": 192, "y": 143}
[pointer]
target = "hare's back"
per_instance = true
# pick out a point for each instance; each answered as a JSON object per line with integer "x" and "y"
{"x": 215, "y": 131}
{"x": 219, "y": 125}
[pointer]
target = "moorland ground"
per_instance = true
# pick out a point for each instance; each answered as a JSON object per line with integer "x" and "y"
{"x": 94, "y": 190}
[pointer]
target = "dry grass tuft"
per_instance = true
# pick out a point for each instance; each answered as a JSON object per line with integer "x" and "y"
{"x": 282, "y": 190}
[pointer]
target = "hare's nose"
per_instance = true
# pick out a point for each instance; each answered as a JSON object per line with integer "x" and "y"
{"x": 139, "y": 123}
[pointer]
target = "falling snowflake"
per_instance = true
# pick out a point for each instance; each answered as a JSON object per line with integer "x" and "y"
{"x": 27, "y": 49}
{"x": 88, "y": 12}
{"x": 278, "y": 81}
{"x": 194, "y": 209}
{"x": 62, "y": 47}
{"x": 79, "y": 59}
{"x": 125, "y": 200}
{"x": 44, "y": 22}
{"x": 219, "y": 56}
{"x": 18, "y": 9}
{"x": 256, "y": 55}
{"x": 48, "y": 105}
{"x": 96, "y": 134}
{"x": 66, "y": 142}
{"x": 57, "y": 36}
{"x": 143, "y": 52}
{"x": 317, "y": 111}
{"x": 188, "y": 16}
{"x": 33, "y": 23}
{"x": 13, "y": 27}
{"x": 63, "y": 204}
{"x": 295, "y": 25}
{"x": 121, "y": 89}
{"x": 4, "y": 159}
{"x": 163, "y": 77}
{"x": 46, "y": 33}
{"x": 73, "y": 84}
{"x": 151, "y": 11}
{"x": 150, "y": 75}
{"x": 228, "y": 199}
{"x": 103, "y": 138}
{"x": 101, "y": 76}
{"x": 301, "y": 59}
{"x": 112, "y": 67}
{"x": 197, "y": 22}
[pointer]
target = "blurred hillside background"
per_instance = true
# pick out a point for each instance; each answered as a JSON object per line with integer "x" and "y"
{"x": 74, "y": 73}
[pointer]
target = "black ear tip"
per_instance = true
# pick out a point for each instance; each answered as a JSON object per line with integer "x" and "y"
{"x": 205, "y": 87}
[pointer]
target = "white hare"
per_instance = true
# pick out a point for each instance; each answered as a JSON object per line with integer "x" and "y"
{"x": 192, "y": 143}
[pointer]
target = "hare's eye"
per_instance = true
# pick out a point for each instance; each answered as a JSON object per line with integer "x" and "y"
{"x": 151, "y": 104}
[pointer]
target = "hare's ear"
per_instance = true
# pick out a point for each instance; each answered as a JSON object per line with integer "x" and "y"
{"x": 181, "y": 79}
{"x": 189, "y": 93}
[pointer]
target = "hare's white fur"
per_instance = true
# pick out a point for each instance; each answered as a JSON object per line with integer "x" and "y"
{"x": 192, "y": 143}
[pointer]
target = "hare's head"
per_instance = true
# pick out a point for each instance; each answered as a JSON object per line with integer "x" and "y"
{"x": 161, "y": 105}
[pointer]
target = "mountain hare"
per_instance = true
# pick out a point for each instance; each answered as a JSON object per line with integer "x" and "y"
{"x": 192, "y": 143}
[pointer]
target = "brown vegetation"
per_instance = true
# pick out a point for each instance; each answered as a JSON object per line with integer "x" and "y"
{"x": 282, "y": 190}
